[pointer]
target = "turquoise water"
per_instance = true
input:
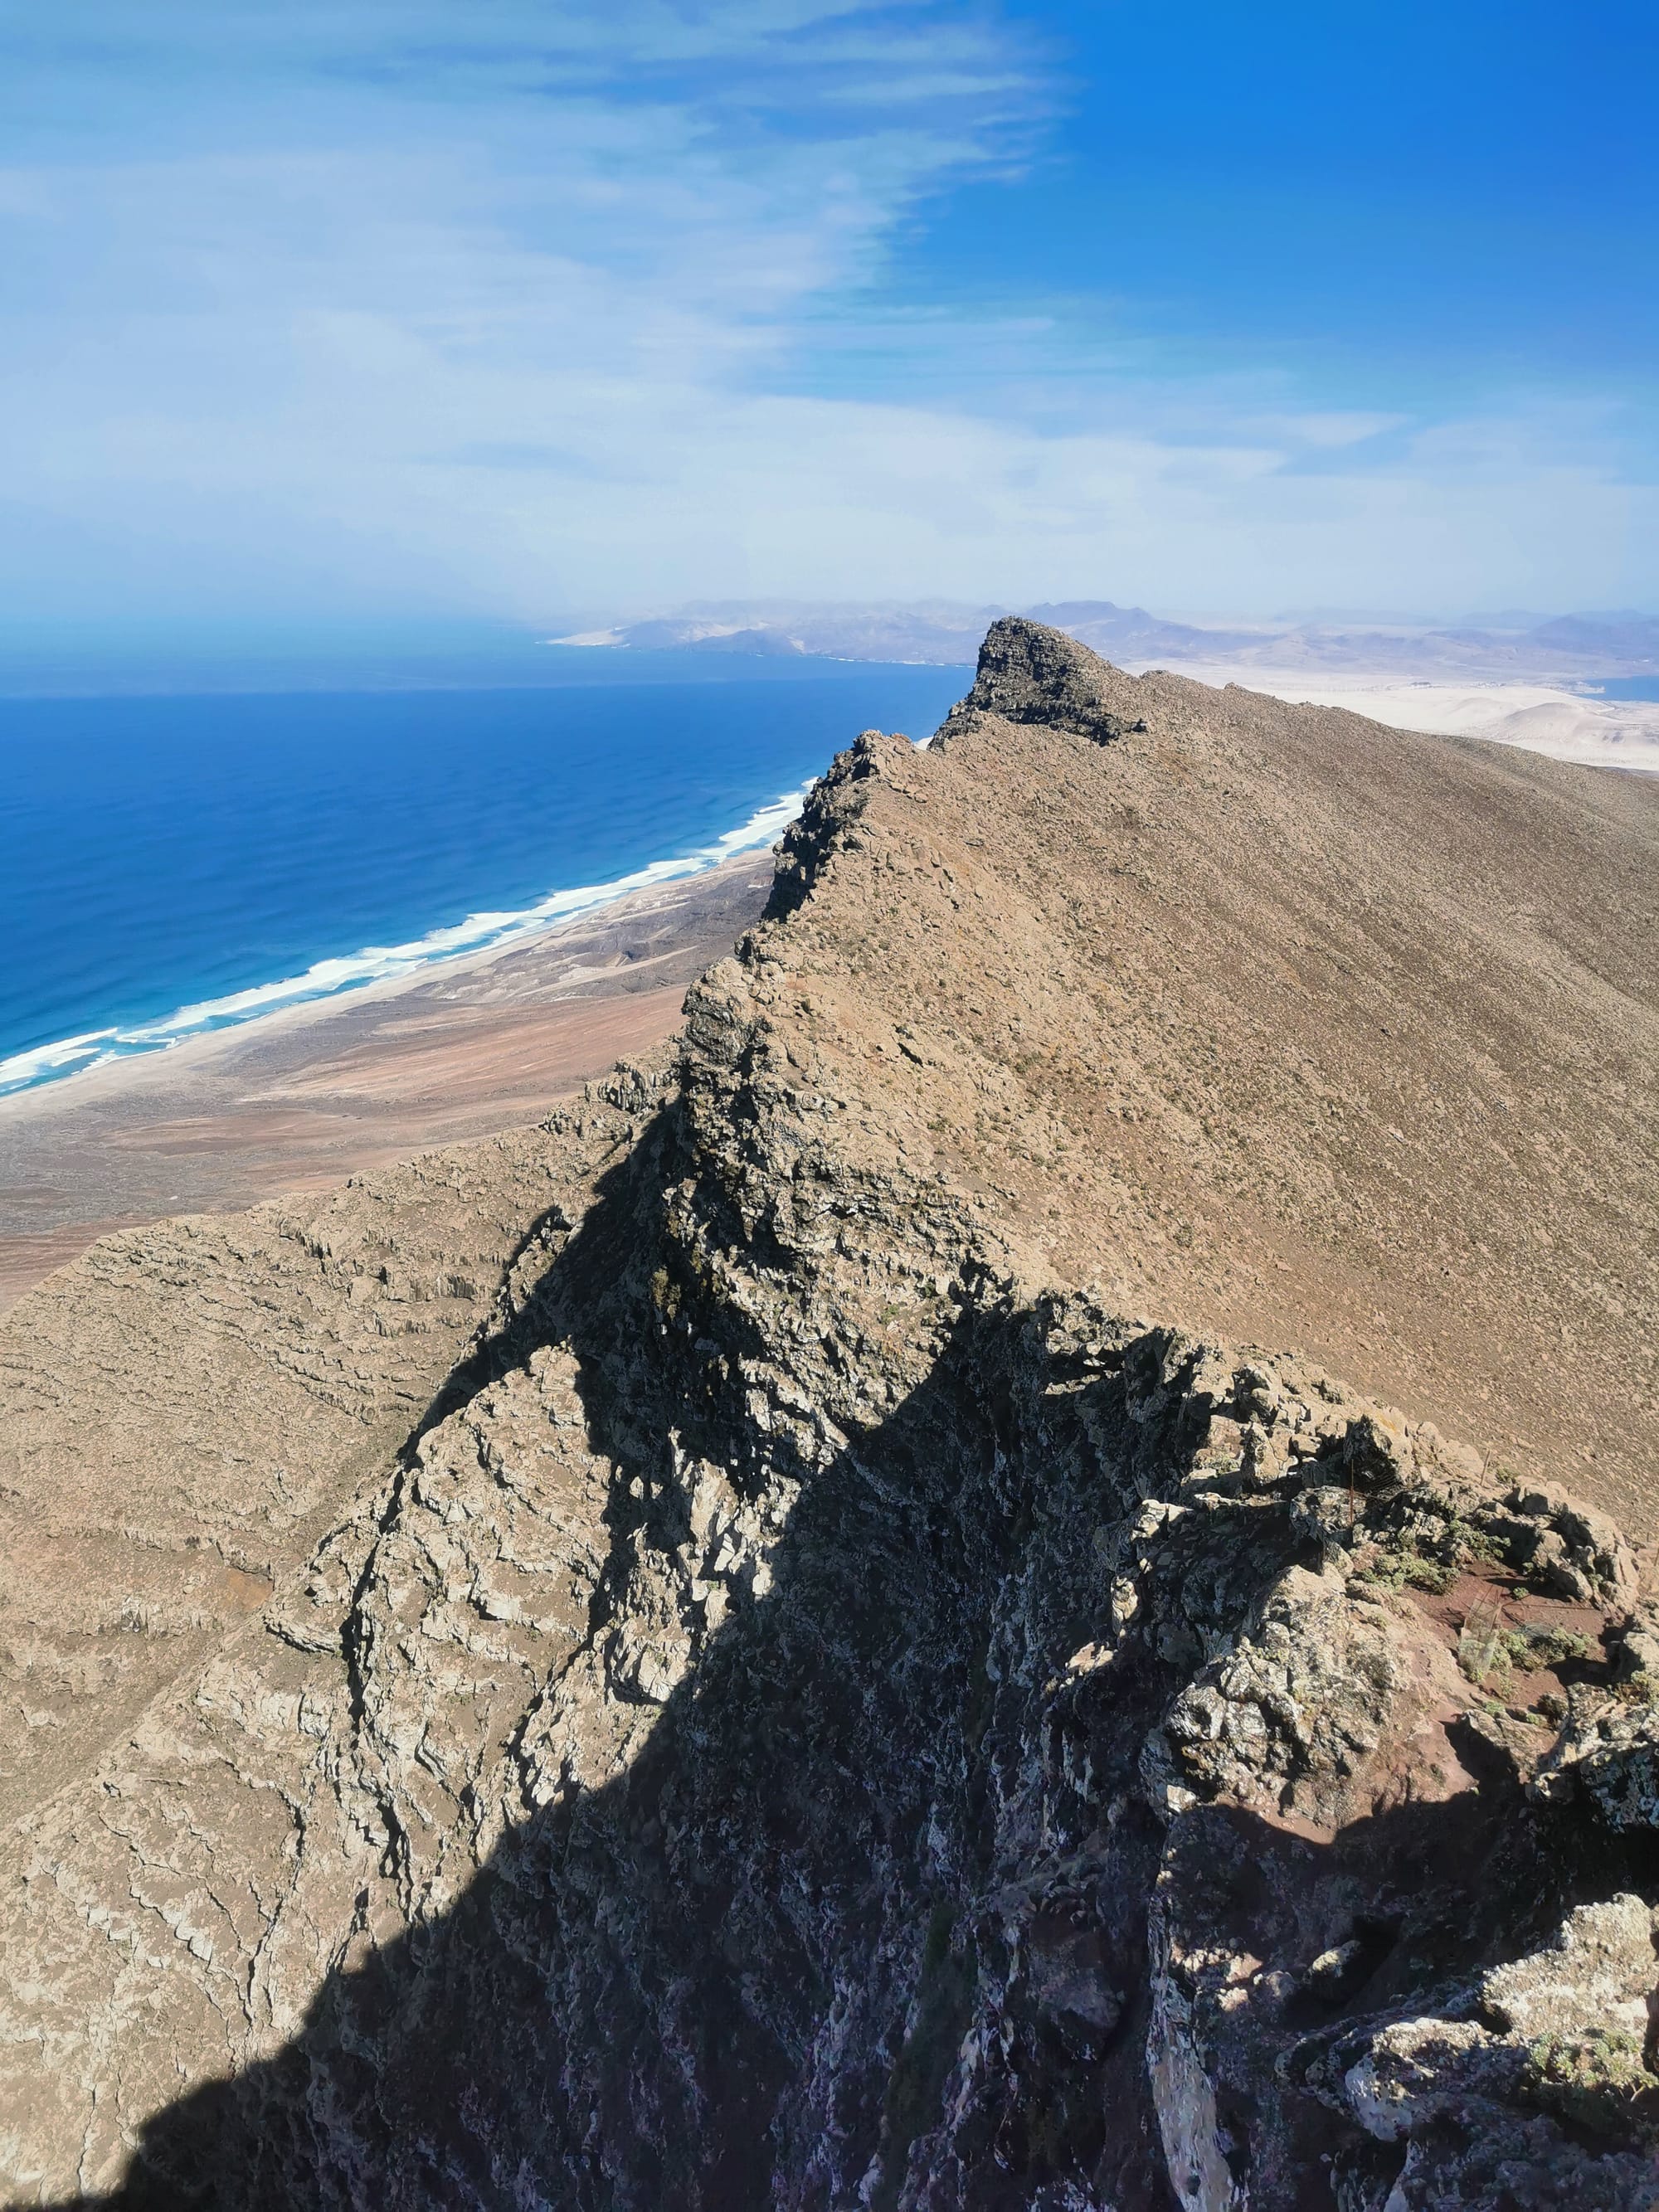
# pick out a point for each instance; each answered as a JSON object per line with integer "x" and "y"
{"x": 173, "y": 864}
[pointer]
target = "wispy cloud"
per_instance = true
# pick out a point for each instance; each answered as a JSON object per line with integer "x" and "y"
{"x": 538, "y": 309}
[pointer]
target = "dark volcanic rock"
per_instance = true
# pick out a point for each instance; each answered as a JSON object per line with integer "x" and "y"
{"x": 1030, "y": 673}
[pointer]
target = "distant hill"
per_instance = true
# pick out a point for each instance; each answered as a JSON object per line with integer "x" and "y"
{"x": 1568, "y": 646}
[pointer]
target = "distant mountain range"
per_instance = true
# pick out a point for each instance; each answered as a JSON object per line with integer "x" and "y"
{"x": 1576, "y": 647}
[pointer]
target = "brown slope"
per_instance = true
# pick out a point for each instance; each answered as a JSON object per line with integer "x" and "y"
{"x": 186, "y": 1408}
{"x": 1284, "y": 1025}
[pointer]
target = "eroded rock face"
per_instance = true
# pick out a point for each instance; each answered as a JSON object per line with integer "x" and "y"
{"x": 1030, "y": 673}
{"x": 185, "y": 1411}
{"x": 821, "y": 1716}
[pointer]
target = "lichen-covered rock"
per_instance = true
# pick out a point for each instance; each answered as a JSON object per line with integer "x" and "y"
{"x": 1610, "y": 1753}
{"x": 1285, "y": 1720}
{"x": 1534, "y": 2084}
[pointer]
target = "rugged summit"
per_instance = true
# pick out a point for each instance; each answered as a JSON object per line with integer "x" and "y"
{"x": 829, "y": 1705}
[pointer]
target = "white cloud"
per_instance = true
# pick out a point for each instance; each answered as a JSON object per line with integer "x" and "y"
{"x": 528, "y": 335}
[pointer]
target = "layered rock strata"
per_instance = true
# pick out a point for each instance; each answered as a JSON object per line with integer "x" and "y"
{"x": 826, "y": 1709}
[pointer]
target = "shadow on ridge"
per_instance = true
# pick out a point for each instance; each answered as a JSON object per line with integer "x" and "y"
{"x": 741, "y": 1973}
{"x": 649, "y": 1995}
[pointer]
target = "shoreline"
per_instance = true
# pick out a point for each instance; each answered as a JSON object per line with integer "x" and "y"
{"x": 308, "y": 1093}
{"x": 331, "y": 979}
{"x": 463, "y": 1044}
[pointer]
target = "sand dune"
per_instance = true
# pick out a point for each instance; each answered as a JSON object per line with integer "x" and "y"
{"x": 1567, "y": 725}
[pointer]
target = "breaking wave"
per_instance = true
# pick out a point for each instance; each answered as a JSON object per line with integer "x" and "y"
{"x": 375, "y": 963}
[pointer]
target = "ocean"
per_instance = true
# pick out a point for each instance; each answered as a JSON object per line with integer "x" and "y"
{"x": 173, "y": 864}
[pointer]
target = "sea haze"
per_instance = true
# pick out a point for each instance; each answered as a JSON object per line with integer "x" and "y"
{"x": 176, "y": 864}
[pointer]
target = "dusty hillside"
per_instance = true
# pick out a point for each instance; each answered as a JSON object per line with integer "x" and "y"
{"x": 818, "y": 1709}
{"x": 186, "y": 1410}
{"x": 1286, "y": 1026}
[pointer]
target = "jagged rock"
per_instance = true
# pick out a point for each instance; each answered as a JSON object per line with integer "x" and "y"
{"x": 1609, "y": 1750}
{"x": 826, "y": 1709}
{"x": 1030, "y": 673}
{"x": 1559, "y": 2037}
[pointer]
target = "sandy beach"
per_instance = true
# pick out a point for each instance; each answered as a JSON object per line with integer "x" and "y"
{"x": 306, "y": 1097}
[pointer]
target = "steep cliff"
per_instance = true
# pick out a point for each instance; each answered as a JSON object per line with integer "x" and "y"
{"x": 829, "y": 1705}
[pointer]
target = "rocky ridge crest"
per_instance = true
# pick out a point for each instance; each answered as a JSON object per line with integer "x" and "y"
{"x": 822, "y": 1713}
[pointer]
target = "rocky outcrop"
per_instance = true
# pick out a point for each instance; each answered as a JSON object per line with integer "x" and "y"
{"x": 822, "y": 1712}
{"x": 1029, "y": 673}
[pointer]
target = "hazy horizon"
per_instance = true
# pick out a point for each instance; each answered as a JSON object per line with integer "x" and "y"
{"x": 139, "y": 658}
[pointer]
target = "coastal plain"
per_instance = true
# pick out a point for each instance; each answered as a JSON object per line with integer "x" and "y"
{"x": 300, "y": 1099}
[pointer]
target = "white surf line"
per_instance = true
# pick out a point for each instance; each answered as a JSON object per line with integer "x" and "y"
{"x": 333, "y": 978}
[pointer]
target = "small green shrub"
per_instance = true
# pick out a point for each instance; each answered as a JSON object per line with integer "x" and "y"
{"x": 1550, "y": 1647}
{"x": 1466, "y": 1542}
{"x": 1597, "y": 2080}
{"x": 1408, "y": 1568}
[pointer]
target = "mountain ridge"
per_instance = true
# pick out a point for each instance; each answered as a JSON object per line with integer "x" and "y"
{"x": 1573, "y": 649}
{"x": 829, "y": 1702}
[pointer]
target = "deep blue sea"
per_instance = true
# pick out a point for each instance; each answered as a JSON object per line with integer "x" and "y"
{"x": 1628, "y": 687}
{"x": 172, "y": 864}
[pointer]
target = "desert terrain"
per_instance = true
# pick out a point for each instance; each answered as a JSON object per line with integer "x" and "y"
{"x": 1013, "y": 1570}
{"x": 1563, "y": 722}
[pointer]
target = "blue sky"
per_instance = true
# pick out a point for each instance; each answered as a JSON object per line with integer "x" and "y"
{"x": 396, "y": 309}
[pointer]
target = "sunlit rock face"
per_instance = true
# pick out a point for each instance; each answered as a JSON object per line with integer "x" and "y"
{"x": 831, "y": 1707}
